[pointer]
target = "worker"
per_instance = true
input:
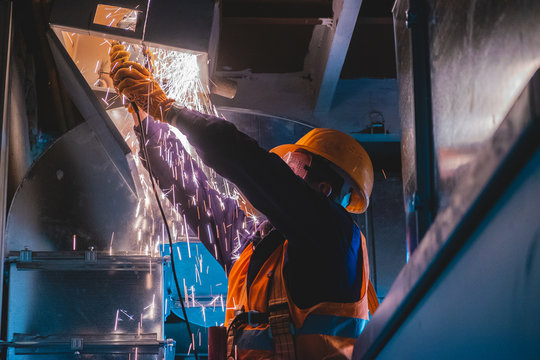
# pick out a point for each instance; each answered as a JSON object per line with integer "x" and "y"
{"x": 299, "y": 280}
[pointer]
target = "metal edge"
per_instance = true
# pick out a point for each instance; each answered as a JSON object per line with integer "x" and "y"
{"x": 4, "y": 146}
{"x": 87, "y": 103}
{"x": 425, "y": 207}
{"x": 260, "y": 113}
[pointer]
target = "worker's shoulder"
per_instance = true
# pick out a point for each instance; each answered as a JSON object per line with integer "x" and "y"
{"x": 342, "y": 218}
{"x": 339, "y": 211}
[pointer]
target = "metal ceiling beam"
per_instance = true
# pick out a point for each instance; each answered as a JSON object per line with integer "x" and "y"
{"x": 335, "y": 46}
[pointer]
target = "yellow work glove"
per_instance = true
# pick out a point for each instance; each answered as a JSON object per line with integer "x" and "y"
{"x": 137, "y": 84}
{"x": 118, "y": 55}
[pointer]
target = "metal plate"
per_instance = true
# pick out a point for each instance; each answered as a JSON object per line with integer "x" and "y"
{"x": 74, "y": 189}
{"x": 482, "y": 55}
{"x": 79, "y": 304}
{"x": 73, "y": 198}
{"x": 71, "y": 302}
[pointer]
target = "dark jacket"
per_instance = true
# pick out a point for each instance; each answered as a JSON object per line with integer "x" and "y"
{"x": 324, "y": 259}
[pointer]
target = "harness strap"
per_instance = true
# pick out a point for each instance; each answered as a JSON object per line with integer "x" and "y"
{"x": 255, "y": 318}
{"x": 373, "y": 301}
{"x": 280, "y": 320}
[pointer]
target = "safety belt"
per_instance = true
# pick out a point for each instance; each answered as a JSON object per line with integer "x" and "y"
{"x": 278, "y": 318}
{"x": 373, "y": 300}
{"x": 280, "y": 322}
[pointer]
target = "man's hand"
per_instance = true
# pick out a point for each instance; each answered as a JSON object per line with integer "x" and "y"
{"x": 118, "y": 55}
{"x": 137, "y": 84}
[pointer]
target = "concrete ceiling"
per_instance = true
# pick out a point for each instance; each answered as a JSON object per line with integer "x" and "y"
{"x": 273, "y": 36}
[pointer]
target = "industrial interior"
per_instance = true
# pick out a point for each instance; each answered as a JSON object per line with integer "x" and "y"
{"x": 444, "y": 96}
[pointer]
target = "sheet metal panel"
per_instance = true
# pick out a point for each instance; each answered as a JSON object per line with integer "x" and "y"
{"x": 482, "y": 55}
{"x": 406, "y": 112}
{"x": 73, "y": 199}
{"x": 485, "y": 305}
{"x": 185, "y": 24}
{"x": 73, "y": 189}
{"x": 499, "y": 162}
{"x": 78, "y": 303}
{"x": 6, "y": 11}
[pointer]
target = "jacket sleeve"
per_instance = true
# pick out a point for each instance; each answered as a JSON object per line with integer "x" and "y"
{"x": 304, "y": 216}
{"x": 217, "y": 220}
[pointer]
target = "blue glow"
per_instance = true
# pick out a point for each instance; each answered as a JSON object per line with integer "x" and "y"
{"x": 346, "y": 200}
{"x": 203, "y": 276}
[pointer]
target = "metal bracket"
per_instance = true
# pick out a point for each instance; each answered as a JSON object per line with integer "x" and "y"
{"x": 170, "y": 344}
{"x": 25, "y": 256}
{"x": 90, "y": 256}
{"x": 77, "y": 343}
{"x": 328, "y": 22}
{"x": 410, "y": 19}
{"x": 166, "y": 260}
{"x": 417, "y": 202}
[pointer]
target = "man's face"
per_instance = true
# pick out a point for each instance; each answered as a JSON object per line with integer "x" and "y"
{"x": 299, "y": 162}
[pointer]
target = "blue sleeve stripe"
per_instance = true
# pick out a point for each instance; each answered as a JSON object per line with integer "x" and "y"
{"x": 314, "y": 325}
{"x": 332, "y": 325}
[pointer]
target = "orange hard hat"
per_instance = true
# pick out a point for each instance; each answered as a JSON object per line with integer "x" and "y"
{"x": 344, "y": 152}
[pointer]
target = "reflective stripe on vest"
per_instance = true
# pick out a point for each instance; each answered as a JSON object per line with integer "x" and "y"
{"x": 255, "y": 340}
{"x": 315, "y": 324}
{"x": 332, "y": 325}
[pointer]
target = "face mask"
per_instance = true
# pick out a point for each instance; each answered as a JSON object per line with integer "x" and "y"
{"x": 298, "y": 162}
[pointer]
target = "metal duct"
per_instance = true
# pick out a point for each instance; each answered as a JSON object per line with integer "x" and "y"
{"x": 480, "y": 256}
{"x": 481, "y": 56}
{"x": 78, "y": 281}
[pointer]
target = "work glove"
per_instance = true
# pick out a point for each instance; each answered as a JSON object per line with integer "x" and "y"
{"x": 118, "y": 55}
{"x": 137, "y": 84}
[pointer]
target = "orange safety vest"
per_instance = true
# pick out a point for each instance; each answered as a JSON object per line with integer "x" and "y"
{"x": 325, "y": 331}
